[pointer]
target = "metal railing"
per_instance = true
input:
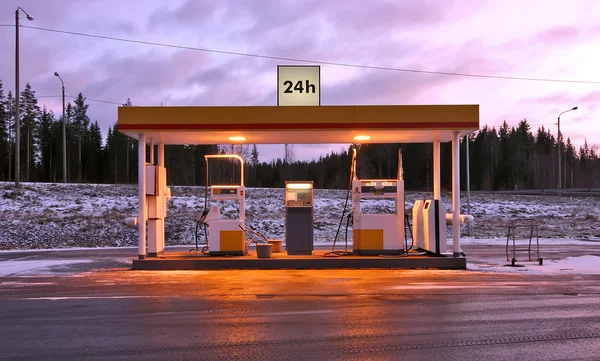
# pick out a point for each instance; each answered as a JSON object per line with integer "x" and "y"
{"x": 571, "y": 192}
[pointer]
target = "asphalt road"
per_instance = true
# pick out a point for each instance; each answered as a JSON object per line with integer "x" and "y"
{"x": 103, "y": 311}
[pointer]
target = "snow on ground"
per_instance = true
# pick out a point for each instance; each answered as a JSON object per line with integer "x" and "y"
{"x": 587, "y": 264}
{"x": 50, "y": 215}
{"x": 19, "y": 267}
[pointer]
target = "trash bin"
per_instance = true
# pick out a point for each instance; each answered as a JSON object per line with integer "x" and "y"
{"x": 263, "y": 250}
{"x": 277, "y": 245}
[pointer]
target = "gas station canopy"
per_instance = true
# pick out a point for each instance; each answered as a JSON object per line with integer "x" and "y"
{"x": 299, "y": 124}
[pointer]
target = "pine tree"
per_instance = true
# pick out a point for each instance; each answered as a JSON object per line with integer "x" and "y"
{"x": 81, "y": 122}
{"x": 521, "y": 164}
{"x": 503, "y": 180}
{"x": 9, "y": 105}
{"x": 93, "y": 154}
{"x": 116, "y": 161}
{"x": 254, "y": 164}
{"x": 483, "y": 159}
{"x": 545, "y": 161}
{"x": 44, "y": 133}
{"x": 115, "y": 152}
{"x": 288, "y": 158}
{"x": 127, "y": 143}
{"x": 110, "y": 171}
{"x": 4, "y": 143}
{"x": 30, "y": 112}
{"x": 56, "y": 132}
{"x": 71, "y": 135}
{"x": 570, "y": 160}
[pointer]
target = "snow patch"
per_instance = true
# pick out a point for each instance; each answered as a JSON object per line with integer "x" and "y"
{"x": 588, "y": 264}
{"x": 11, "y": 268}
{"x": 56, "y": 215}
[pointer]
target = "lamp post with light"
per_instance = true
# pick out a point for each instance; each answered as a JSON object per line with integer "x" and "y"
{"x": 64, "y": 131}
{"x": 559, "y": 143}
{"x": 17, "y": 91}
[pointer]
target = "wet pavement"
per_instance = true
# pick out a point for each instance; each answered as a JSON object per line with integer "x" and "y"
{"x": 93, "y": 307}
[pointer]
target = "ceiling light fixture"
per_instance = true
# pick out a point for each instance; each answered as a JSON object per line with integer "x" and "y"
{"x": 237, "y": 138}
{"x": 362, "y": 137}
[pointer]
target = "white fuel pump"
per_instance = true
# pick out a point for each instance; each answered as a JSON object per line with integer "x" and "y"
{"x": 434, "y": 226}
{"x": 157, "y": 195}
{"x": 225, "y": 236}
{"x": 375, "y": 234}
{"x": 417, "y": 223}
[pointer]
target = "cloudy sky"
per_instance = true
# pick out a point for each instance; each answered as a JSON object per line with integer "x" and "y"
{"x": 553, "y": 39}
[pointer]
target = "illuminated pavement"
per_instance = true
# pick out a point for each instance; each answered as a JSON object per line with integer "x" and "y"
{"x": 116, "y": 314}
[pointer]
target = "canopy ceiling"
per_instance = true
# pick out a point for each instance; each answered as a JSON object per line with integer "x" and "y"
{"x": 299, "y": 124}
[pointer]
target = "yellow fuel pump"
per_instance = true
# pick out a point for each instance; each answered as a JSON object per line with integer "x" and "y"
{"x": 375, "y": 234}
{"x": 226, "y": 236}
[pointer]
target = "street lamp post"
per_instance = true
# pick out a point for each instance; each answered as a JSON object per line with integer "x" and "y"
{"x": 17, "y": 91}
{"x": 559, "y": 143}
{"x": 64, "y": 130}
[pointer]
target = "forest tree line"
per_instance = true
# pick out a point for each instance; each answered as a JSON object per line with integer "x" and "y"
{"x": 500, "y": 158}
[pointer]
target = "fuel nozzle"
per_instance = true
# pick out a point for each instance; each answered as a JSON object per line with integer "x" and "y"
{"x": 203, "y": 216}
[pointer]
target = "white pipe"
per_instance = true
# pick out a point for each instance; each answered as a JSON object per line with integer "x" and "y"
{"x": 436, "y": 169}
{"x": 456, "y": 194}
{"x": 464, "y": 218}
{"x": 142, "y": 196}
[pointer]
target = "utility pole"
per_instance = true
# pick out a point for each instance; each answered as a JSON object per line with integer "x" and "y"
{"x": 17, "y": 115}
{"x": 64, "y": 130}
{"x": 559, "y": 144}
{"x": 17, "y": 94}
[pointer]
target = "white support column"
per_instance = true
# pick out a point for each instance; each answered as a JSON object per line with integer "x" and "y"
{"x": 436, "y": 169}
{"x": 142, "y": 196}
{"x": 151, "y": 151}
{"x": 468, "y": 167}
{"x": 161, "y": 225}
{"x": 161, "y": 153}
{"x": 456, "y": 194}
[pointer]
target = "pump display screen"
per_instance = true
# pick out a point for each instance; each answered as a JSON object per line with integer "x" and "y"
{"x": 224, "y": 191}
{"x": 375, "y": 190}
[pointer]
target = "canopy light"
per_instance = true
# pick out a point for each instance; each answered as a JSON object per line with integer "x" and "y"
{"x": 237, "y": 138}
{"x": 362, "y": 137}
{"x": 298, "y": 186}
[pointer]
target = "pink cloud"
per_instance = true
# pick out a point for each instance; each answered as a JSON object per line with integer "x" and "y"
{"x": 558, "y": 35}
{"x": 565, "y": 98}
{"x": 591, "y": 97}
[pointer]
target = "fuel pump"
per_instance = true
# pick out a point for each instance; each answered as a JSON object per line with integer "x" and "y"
{"x": 157, "y": 195}
{"x": 299, "y": 229}
{"x": 226, "y": 236}
{"x": 375, "y": 234}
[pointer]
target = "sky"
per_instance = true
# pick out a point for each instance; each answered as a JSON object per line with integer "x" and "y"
{"x": 550, "y": 39}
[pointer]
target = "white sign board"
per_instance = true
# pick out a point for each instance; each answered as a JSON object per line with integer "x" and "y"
{"x": 298, "y": 85}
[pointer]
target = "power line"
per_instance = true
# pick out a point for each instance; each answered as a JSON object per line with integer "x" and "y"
{"x": 349, "y": 65}
{"x": 72, "y": 97}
